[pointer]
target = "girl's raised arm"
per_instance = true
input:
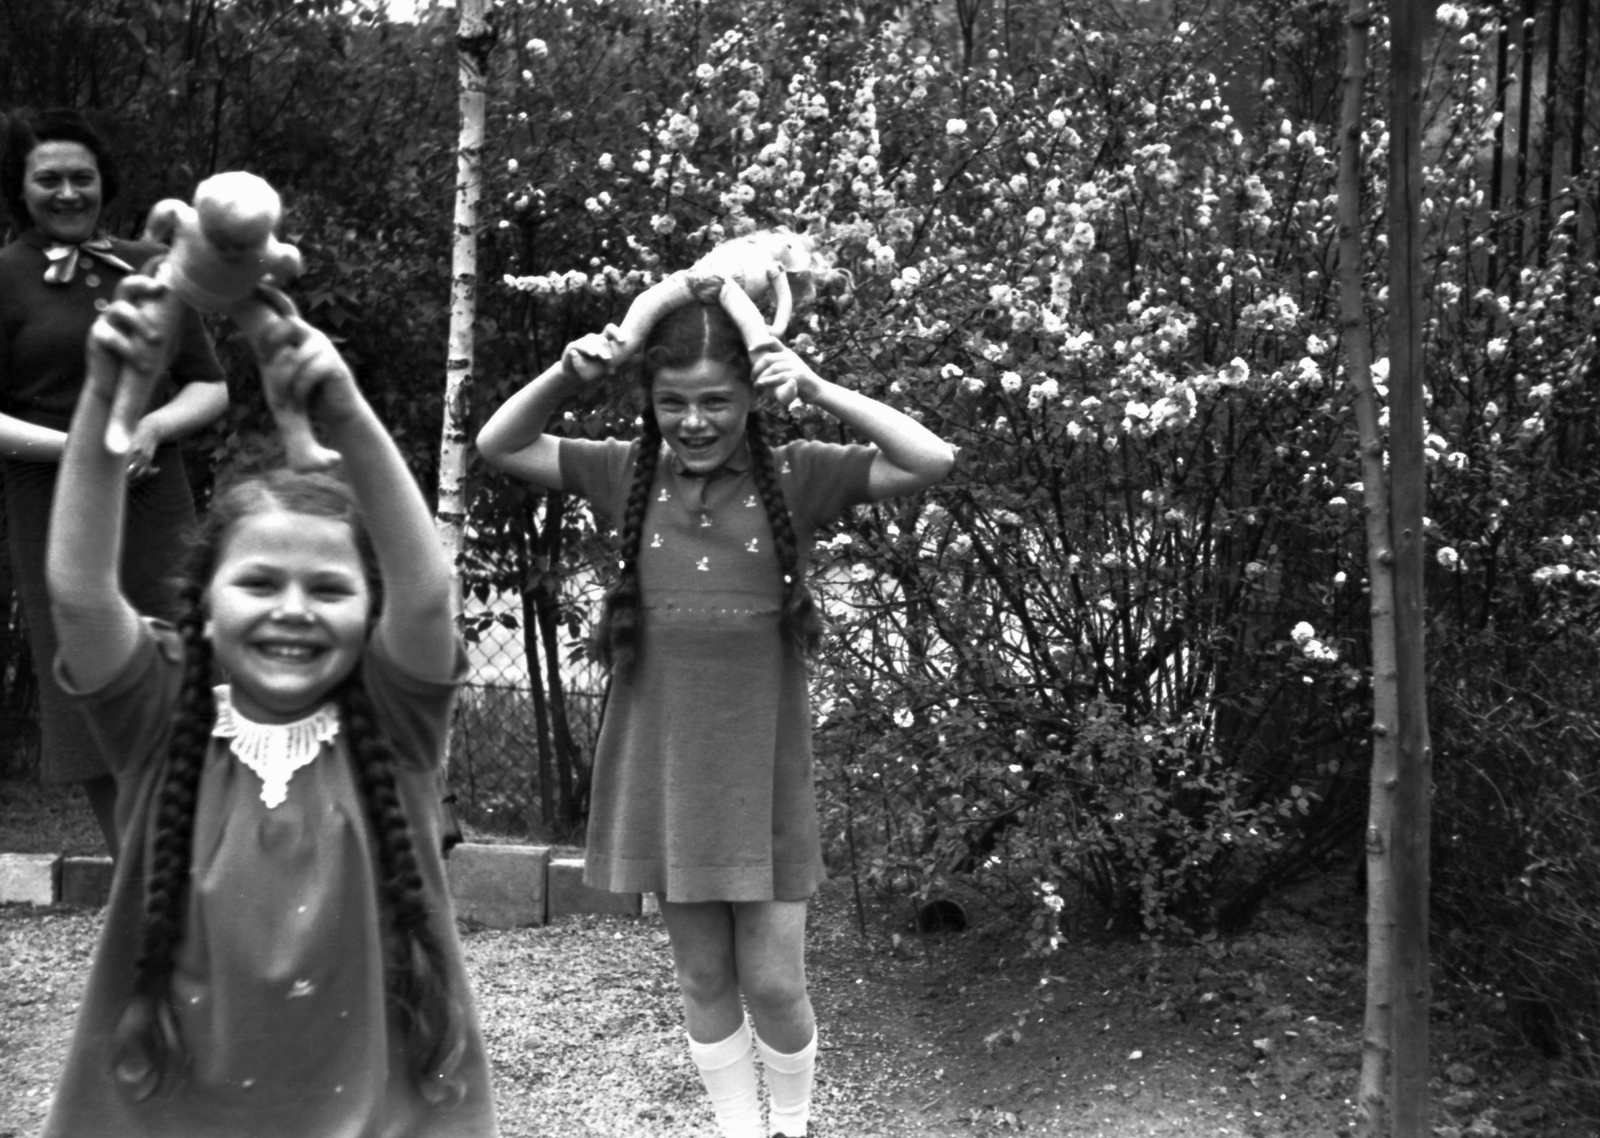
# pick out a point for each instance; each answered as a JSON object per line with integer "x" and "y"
{"x": 514, "y": 439}
{"x": 96, "y": 627}
{"x": 910, "y": 457}
{"x": 417, "y": 623}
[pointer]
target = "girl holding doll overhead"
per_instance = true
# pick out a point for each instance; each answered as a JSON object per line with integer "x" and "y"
{"x": 703, "y": 791}
{"x": 279, "y": 955}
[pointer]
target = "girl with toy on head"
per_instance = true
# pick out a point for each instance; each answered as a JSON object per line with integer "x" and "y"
{"x": 703, "y": 791}
{"x": 279, "y": 956}
{"x": 57, "y": 177}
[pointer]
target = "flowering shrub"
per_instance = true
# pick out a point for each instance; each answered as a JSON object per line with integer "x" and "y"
{"x": 1100, "y": 265}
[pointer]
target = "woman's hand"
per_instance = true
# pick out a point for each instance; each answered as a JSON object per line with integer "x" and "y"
{"x": 784, "y": 376}
{"x": 142, "y": 450}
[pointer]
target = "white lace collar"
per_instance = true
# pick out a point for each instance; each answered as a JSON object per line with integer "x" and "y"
{"x": 273, "y": 750}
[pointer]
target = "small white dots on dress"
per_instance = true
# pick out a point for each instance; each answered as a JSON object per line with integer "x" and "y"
{"x": 655, "y": 541}
{"x": 705, "y": 521}
{"x": 754, "y": 546}
{"x": 92, "y": 281}
{"x": 665, "y": 497}
{"x": 702, "y": 565}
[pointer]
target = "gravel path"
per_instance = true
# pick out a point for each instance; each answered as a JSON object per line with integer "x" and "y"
{"x": 581, "y": 1018}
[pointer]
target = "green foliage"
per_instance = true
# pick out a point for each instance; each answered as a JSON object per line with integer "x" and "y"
{"x": 1125, "y": 647}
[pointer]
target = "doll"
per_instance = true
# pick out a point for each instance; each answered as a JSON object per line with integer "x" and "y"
{"x": 224, "y": 259}
{"x": 739, "y": 273}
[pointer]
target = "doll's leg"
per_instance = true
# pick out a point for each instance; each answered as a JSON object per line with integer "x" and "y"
{"x": 648, "y": 307}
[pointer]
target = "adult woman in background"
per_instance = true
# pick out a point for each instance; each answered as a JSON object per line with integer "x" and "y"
{"x": 56, "y": 178}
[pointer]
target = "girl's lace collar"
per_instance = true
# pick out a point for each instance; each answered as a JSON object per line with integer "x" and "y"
{"x": 273, "y": 750}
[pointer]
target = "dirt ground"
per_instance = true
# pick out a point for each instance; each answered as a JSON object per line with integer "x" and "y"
{"x": 1255, "y": 1035}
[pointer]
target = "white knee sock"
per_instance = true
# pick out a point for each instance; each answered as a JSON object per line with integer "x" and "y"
{"x": 728, "y": 1069}
{"x": 789, "y": 1086}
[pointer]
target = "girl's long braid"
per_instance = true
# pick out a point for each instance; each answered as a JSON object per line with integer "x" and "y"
{"x": 417, "y": 974}
{"x": 148, "y": 1047}
{"x": 800, "y": 621}
{"x": 617, "y": 633}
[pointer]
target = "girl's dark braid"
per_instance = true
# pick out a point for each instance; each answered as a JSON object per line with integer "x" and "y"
{"x": 800, "y": 622}
{"x": 617, "y": 634}
{"x": 148, "y": 1048}
{"x": 417, "y": 973}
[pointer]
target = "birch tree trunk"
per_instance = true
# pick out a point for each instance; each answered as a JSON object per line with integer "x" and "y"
{"x": 1408, "y": 494}
{"x": 474, "y": 40}
{"x": 1372, "y": 1117}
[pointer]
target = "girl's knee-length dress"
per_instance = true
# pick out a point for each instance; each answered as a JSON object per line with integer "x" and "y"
{"x": 703, "y": 786}
{"x": 43, "y": 326}
{"x": 279, "y": 977}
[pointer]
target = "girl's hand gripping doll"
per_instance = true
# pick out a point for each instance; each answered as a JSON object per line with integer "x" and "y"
{"x": 223, "y": 251}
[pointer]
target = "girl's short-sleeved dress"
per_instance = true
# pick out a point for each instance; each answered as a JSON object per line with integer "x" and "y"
{"x": 42, "y": 330}
{"x": 279, "y": 979}
{"x": 703, "y": 786}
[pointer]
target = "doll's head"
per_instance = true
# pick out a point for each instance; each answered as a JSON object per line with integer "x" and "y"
{"x": 238, "y": 213}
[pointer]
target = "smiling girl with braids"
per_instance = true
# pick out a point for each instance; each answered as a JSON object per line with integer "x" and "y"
{"x": 702, "y": 787}
{"x": 279, "y": 956}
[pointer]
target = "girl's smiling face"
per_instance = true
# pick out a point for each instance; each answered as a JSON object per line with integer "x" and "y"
{"x": 702, "y": 411}
{"x": 62, "y": 190}
{"x": 288, "y": 609}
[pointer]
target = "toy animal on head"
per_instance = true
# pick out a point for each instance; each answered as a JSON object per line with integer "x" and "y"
{"x": 223, "y": 254}
{"x": 739, "y": 273}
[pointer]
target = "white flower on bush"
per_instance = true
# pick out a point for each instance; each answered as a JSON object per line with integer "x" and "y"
{"x": 1496, "y": 349}
{"x": 1011, "y": 382}
{"x": 1255, "y": 570}
{"x": 538, "y": 48}
{"x": 902, "y": 717}
{"x": 1305, "y": 638}
{"x": 663, "y": 223}
{"x": 1035, "y": 217}
{"x": 1551, "y": 573}
{"x": 1057, "y": 119}
{"x": 956, "y": 127}
{"x": 1046, "y": 389}
{"x": 1588, "y": 578}
{"x": 1449, "y": 558}
{"x": 1452, "y": 16}
{"x": 971, "y": 384}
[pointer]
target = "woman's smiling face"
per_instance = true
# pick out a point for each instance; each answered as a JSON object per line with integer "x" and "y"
{"x": 702, "y": 411}
{"x": 62, "y": 189}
